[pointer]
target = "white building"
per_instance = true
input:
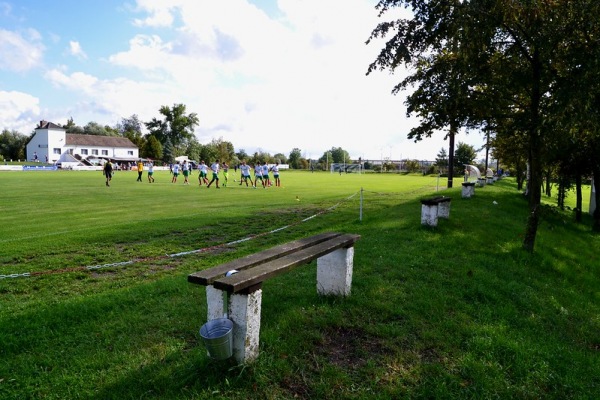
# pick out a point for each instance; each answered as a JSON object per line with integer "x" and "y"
{"x": 51, "y": 143}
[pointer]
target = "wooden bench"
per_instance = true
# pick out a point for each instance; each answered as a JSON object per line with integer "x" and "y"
{"x": 239, "y": 294}
{"x": 434, "y": 208}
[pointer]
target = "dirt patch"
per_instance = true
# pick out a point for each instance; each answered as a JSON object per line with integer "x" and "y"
{"x": 350, "y": 348}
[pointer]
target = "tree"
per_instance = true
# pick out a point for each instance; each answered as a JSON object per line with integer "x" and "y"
{"x": 280, "y": 158}
{"x": 465, "y": 155}
{"x": 222, "y": 149}
{"x": 339, "y": 155}
{"x": 412, "y": 165}
{"x": 478, "y": 62}
{"x": 94, "y": 128}
{"x": 242, "y": 155}
{"x": 152, "y": 148}
{"x": 194, "y": 149}
{"x": 294, "y": 158}
{"x": 71, "y": 127}
{"x": 175, "y": 126}
{"x": 168, "y": 152}
{"x": 431, "y": 44}
{"x": 441, "y": 160}
{"x": 12, "y": 145}
{"x": 131, "y": 128}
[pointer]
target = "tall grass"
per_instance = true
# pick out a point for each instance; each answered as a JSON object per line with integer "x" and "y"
{"x": 457, "y": 311}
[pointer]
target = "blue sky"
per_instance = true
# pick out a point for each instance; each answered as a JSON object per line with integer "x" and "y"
{"x": 266, "y": 75}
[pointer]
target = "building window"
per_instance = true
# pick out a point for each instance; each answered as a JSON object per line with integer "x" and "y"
{"x": 84, "y": 152}
{"x": 56, "y": 151}
{"x": 104, "y": 152}
{"x": 95, "y": 152}
{"x": 129, "y": 152}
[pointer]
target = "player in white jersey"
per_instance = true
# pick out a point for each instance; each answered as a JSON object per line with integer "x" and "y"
{"x": 215, "y": 174}
{"x": 258, "y": 175}
{"x": 275, "y": 169}
{"x": 175, "y": 173}
{"x": 202, "y": 173}
{"x": 265, "y": 174}
{"x": 245, "y": 170}
{"x": 185, "y": 169}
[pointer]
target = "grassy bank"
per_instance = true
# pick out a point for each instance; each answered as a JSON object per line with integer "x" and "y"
{"x": 459, "y": 311}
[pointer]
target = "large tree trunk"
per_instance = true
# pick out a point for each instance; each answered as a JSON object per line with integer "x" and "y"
{"x": 452, "y": 133}
{"x": 534, "y": 153}
{"x": 596, "y": 214}
{"x": 579, "y": 198}
{"x": 534, "y": 194}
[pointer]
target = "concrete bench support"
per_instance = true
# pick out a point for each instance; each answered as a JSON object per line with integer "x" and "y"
{"x": 244, "y": 311}
{"x": 429, "y": 215}
{"x": 334, "y": 273}
{"x": 432, "y": 209}
{"x": 468, "y": 190}
{"x": 444, "y": 209}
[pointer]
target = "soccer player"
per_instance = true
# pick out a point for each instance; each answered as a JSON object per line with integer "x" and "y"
{"x": 258, "y": 175}
{"x": 275, "y": 169}
{"x": 175, "y": 173}
{"x": 185, "y": 169}
{"x": 150, "y": 172}
{"x": 265, "y": 175}
{"x": 245, "y": 171}
{"x": 225, "y": 173}
{"x": 215, "y": 174}
{"x": 203, "y": 171}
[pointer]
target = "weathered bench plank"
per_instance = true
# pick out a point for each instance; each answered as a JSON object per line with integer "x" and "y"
{"x": 208, "y": 276}
{"x": 251, "y": 278}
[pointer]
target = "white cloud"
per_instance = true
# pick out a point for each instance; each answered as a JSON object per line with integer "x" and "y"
{"x": 19, "y": 111}
{"x": 20, "y": 53}
{"x": 76, "y": 50}
{"x": 160, "y": 13}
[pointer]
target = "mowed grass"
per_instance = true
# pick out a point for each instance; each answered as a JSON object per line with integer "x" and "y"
{"x": 459, "y": 311}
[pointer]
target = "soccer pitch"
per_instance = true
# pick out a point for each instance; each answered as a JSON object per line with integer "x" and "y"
{"x": 65, "y": 219}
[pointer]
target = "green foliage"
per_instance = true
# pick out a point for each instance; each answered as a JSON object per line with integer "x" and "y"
{"x": 12, "y": 145}
{"x": 152, "y": 148}
{"x": 294, "y": 158}
{"x": 441, "y": 160}
{"x": 412, "y": 165}
{"x": 464, "y": 155}
{"x": 177, "y": 126}
{"x": 168, "y": 153}
{"x": 527, "y": 70}
{"x": 71, "y": 127}
{"x": 220, "y": 149}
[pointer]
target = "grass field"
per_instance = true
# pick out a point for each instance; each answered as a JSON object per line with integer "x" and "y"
{"x": 459, "y": 311}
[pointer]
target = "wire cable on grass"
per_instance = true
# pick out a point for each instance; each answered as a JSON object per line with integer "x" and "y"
{"x": 173, "y": 255}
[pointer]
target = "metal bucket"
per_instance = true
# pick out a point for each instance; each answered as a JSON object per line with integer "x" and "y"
{"x": 218, "y": 338}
